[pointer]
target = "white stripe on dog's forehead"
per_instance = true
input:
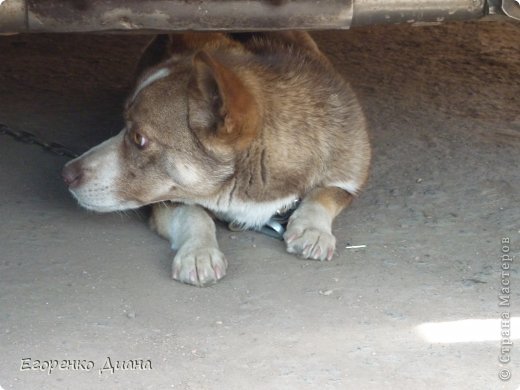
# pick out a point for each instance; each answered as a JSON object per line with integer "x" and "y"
{"x": 159, "y": 74}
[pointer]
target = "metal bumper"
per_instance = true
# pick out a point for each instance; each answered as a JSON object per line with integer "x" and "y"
{"x": 229, "y": 15}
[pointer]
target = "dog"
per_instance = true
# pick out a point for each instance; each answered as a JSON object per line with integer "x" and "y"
{"x": 233, "y": 126}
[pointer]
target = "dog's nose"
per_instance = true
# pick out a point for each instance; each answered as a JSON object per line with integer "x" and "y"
{"x": 71, "y": 175}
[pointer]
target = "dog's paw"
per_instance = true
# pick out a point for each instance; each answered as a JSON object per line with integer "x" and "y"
{"x": 310, "y": 243}
{"x": 199, "y": 266}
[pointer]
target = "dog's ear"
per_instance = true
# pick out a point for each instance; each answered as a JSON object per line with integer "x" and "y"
{"x": 221, "y": 108}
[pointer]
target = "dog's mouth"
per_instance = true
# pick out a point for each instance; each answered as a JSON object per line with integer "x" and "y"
{"x": 102, "y": 201}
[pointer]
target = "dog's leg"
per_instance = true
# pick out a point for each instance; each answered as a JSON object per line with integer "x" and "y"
{"x": 309, "y": 229}
{"x": 191, "y": 232}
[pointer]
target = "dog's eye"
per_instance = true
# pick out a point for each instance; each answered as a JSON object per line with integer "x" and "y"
{"x": 139, "y": 140}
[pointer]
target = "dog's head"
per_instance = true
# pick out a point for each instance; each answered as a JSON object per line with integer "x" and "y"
{"x": 186, "y": 121}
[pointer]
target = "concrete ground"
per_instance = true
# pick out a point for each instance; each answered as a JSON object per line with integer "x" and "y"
{"x": 417, "y": 308}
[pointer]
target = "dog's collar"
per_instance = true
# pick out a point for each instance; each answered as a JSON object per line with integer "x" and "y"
{"x": 275, "y": 226}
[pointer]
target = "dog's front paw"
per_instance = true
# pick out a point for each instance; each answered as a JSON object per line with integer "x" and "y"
{"x": 199, "y": 266}
{"x": 310, "y": 243}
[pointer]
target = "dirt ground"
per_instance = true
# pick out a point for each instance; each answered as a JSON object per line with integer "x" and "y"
{"x": 444, "y": 107}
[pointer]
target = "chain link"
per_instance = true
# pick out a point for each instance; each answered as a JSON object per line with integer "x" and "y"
{"x": 31, "y": 139}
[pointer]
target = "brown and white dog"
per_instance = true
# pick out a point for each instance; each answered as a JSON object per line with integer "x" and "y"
{"x": 239, "y": 126}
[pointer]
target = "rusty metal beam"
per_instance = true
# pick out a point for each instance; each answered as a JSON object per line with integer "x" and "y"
{"x": 229, "y": 15}
{"x": 368, "y": 12}
{"x": 13, "y": 16}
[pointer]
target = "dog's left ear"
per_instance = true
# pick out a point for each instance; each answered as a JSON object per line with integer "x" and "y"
{"x": 221, "y": 108}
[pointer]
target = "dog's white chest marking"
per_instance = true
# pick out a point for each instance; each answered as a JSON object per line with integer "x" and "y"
{"x": 249, "y": 214}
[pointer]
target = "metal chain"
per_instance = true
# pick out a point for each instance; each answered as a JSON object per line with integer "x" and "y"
{"x": 31, "y": 139}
